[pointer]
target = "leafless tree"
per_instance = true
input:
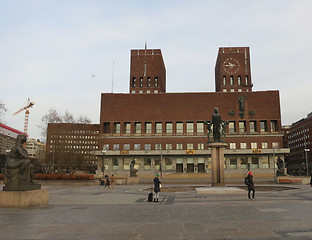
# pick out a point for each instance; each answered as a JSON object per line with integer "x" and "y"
{"x": 53, "y": 116}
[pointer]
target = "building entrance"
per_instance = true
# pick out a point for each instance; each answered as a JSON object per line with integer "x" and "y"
{"x": 190, "y": 165}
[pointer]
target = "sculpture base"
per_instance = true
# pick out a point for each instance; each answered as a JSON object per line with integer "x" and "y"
{"x": 217, "y": 157}
{"x": 133, "y": 180}
{"x": 34, "y": 198}
{"x": 21, "y": 187}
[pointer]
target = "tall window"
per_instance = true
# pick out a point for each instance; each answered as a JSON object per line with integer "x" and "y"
{"x": 179, "y": 146}
{"x": 200, "y": 127}
{"x": 138, "y": 128}
{"x": 264, "y": 145}
{"x": 147, "y": 146}
{"x": 274, "y": 144}
{"x": 156, "y": 82}
{"x": 231, "y": 80}
{"x": 168, "y": 146}
{"x": 148, "y": 81}
{"x": 263, "y": 126}
{"x": 148, "y": 128}
{"x": 159, "y": 127}
{"x": 105, "y": 146}
{"x": 179, "y": 128}
{"x": 190, "y": 128}
{"x": 246, "y": 80}
{"x": 189, "y": 146}
{"x": 157, "y": 146}
{"x": 254, "y": 145}
{"x": 244, "y": 162}
{"x": 253, "y": 126}
{"x": 255, "y": 162}
{"x": 116, "y": 147}
{"x": 224, "y": 80}
{"x": 239, "y": 80}
{"x": 133, "y": 82}
{"x": 141, "y": 82}
{"x": 106, "y": 127}
{"x": 147, "y": 163}
{"x": 169, "y": 127}
{"x": 232, "y": 145}
{"x": 274, "y": 126}
{"x": 243, "y": 145}
{"x": 117, "y": 128}
{"x": 233, "y": 162}
{"x": 137, "y": 146}
{"x": 127, "y": 128}
{"x": 126, "y": 146}
{"x": 242, "y": 126}
{"x": 231, "y": 127}
{"x": 200, "y": 146}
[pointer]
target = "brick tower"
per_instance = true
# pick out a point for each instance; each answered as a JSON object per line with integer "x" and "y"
{"x": 232, "y": 70}
{"x": 147, "y": 71}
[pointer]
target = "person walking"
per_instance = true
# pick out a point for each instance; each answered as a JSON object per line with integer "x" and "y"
{"x": 107, "y": 182}
{"x": 112, "y": 181}
{"x": 250, "y": 185}
{"x": 157, "y": 183}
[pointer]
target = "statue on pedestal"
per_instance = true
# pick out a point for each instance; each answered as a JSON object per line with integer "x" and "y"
{"x": 219, "y": 126}
{"x": 18, "y": 170}
{"x": 133, "y": 171}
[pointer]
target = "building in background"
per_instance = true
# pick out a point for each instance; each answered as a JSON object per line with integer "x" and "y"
{"x": 8, "y": 137}
{"x": 69, "y": 147}
{"x": 165, "y": 131}
{"x": 300, "y": 143}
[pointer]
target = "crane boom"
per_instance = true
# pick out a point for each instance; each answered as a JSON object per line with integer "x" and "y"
{"x": 29, "y": 104}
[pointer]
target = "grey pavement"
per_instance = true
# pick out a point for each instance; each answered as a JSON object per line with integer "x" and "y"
{"x": 92, "y": 212}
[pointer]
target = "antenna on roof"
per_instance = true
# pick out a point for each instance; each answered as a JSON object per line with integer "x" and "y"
{"x": 145, "y": 47}
{"x": 113, "y": 77}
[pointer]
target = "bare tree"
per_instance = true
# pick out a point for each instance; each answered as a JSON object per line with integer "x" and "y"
{"x": 53, "y": 116}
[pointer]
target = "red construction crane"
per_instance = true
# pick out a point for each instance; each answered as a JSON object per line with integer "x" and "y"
{"x": 29, "y": 104}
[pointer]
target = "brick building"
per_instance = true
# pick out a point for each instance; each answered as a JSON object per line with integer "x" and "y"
{"x": 299, "y": 138}
{"x": 69, "y": 146}
{"x": 166, "y": 131}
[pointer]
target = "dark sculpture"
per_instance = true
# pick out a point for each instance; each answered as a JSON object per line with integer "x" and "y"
{"x": 18, "y": 170}
{"x": 280, "y": 167}
{"x": 242, "y": 100}
{"x": 219, "y": 126}
{"x": 133, "y": 171}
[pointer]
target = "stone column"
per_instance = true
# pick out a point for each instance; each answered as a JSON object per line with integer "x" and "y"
{"x": 217, "y": 163}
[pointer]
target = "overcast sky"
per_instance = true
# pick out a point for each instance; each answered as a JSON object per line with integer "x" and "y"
{"x": 50, "y": 49}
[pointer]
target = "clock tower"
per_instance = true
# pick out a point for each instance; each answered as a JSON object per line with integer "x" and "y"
{"x": 232, "y": 70}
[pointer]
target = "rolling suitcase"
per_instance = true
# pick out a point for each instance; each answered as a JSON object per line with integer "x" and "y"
{"x": 150, "y": 196}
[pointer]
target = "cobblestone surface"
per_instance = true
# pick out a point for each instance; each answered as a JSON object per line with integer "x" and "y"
{"x": 92, "y": 212}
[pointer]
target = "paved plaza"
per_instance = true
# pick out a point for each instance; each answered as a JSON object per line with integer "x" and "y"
{"x": 92, "y": 212}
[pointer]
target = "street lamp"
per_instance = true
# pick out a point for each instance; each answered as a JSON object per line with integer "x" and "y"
{"x": 103, "y": 151}
{"x": 306, "y": 150}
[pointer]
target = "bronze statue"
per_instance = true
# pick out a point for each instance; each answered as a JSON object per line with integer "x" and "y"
{"x": 219, "y": 126}
{"x": 18, "y": 170}
{"x": 133, "y": 171}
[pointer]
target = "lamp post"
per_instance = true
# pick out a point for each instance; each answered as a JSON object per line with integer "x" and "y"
{"x": 274, "y": 164}
{"x": 306, "y": 150}
{"x": 103, "y": 160}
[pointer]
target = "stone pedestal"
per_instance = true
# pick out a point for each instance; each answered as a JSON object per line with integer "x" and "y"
{"x": 133, "y": 180}
{"x": 33, "y": 198}
{"x": 217, "y": 162}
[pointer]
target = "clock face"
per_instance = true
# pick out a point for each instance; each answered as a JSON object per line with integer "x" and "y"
{"x": 231, "y": 65}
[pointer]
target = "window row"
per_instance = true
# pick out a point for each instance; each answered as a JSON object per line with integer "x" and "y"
{"x": 188, "y": 127}
{"x": 232, "y": 81}
{"x": 181, "y": 146}
{"x": 139, "y": 83}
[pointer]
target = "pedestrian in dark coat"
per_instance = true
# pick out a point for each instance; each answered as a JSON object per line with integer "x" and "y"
{"x": 251, "y": 186}
{"x": 156, "y": 188}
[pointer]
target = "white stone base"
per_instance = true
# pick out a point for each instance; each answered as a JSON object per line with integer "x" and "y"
{"x": 218, "y": 190}
{"x": 33, "y": 198}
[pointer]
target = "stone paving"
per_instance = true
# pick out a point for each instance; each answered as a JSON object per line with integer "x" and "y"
{"x": 92, "y": 212}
